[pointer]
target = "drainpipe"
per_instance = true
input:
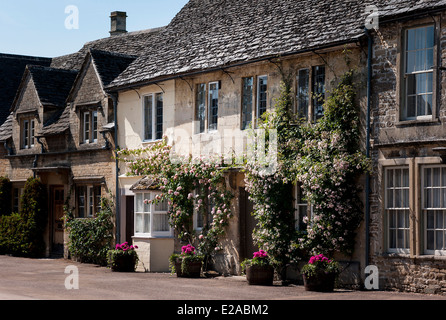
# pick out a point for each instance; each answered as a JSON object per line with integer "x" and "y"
{"x": 114, "y": 98}
{"x": 367, "y": 178}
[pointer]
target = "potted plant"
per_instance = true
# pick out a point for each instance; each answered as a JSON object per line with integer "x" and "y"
{"x": 186, "y": 264}
{"x": 320, "y": 273}
{"x": 258, "y": 270}
{"x": 123, "y": 258}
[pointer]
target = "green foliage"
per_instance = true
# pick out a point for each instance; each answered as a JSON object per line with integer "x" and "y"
{"x": 320, "y": 264}
{"x": 5, "y": 196}
{"x": 188, "y": 185}
{"x": 259, "y": 258}
{"x": 90, "y": 239}
{"x": 188, "y": 255}
{"x": 325, "y": 159}
{"x": 22, "y": 234}
{"x": 123, "y": 257}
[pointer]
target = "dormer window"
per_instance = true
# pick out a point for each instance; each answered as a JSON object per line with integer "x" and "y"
{"x": 28, "y": 127}
{"x": 89, "y": 126}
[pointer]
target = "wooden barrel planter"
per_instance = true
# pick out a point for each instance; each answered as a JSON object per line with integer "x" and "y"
{"x": 192, "y": 270}
{"x": 125, "y": 263}
{"x": 321, "y": 282}
{"x": 260, "y": 275}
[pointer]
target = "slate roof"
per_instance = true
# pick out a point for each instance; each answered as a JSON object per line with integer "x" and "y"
{"x": 146, "y": 183}
{"x": 6, "y": 128}
{"x": 131, "y": 43}
{"x": 11, "y": 72}
{"x": 110, "y": 64}
{"x": 57, "y": 124}
{"x": 52, "y": 85}
{"x": 211, "y": 34}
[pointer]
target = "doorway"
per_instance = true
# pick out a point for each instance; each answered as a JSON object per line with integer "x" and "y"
{"x": 247, "y": 225}
{"x": 57, "y": 200}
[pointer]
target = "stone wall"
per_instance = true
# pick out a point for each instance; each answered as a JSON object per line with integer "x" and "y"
{"x": 409, "y": 143}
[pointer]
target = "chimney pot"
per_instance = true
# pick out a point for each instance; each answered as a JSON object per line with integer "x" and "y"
{"x": 118, "y": 21}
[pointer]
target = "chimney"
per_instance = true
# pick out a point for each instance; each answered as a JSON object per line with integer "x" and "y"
{"x": 118, "y": 23}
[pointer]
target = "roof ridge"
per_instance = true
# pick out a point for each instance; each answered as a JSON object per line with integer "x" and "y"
{"x": 113, "y": 53}
{"x": 33, "y": 66}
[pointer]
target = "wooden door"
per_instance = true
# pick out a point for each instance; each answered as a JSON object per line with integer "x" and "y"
{"x": 247, "y": 225}
{"x": 57, "y": 204}
{"x": 129, "y": 217}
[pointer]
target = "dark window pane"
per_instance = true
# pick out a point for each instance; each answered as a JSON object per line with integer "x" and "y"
{"x": 201, "y": 107}
{"x": 148, "y": 117}
{"x": 303, "y": 93}
{"x": 262, "y": 95}
{"x": 247, "y": 102}
{"x": 159, "y": 116}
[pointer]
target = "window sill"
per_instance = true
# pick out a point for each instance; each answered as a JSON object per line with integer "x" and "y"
{"x": 414, "y": 122}
{"x": 424, "y": 257}
{"x": 149, "y": 237}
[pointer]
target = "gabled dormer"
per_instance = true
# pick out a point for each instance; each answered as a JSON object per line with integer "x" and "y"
{"x": 91, "y": 106}
{"x": 40, "y": 97}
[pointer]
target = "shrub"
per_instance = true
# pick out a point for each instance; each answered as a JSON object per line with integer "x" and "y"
{"x": 5, "y": 196}
{"x": 91, "y": 238}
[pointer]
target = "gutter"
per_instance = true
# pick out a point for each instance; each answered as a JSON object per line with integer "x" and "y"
{"x": 367, "y": 178}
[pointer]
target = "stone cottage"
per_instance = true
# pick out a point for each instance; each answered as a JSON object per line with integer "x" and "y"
{"x": 60, "y": 128}
{"x": 213, "y": 70}
{"x": 407, "y": 143}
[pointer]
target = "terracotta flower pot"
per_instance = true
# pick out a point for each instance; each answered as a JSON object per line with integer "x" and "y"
{"x": 260, "y": 275}
{"x": 193, "y": 269}
{"x": 321, "y": 282}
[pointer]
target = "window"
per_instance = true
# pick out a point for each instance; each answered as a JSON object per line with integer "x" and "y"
{"x": 262, "y": 95}
{"x": 301, "y": 210}
{"x": 200, "y": 111}
{"x": 418, "y": 73}
{"x": 28, "y": 133}
{"x": 201, "y": 220}
{"x": 434, "y": 208}
{"x": 213, "y": 105}
{"x": 151, "y": 219}
{"x": 153, "y": 117}
{"x": 397, "y": 209}
{"x": 247, "y": 94}
{"x": 16, "y": 194}
{"x": 88, "y": 200}
{"x": 318, "y": 91}
{"x": 303, "y": 93}
{"x": 90, "y": 126}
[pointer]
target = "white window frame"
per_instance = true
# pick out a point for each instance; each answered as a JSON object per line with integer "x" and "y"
{"x": 148, "y": 212}
{"x": 90, "y": 199}
{"x": 299, "y": 204}
{"x": 28, "y": 133}
{"x": 90, "y": 131}
{"x": 153, "y": 97}
{"x": 209, "y": 212}
{"x": 404, "y": 210}
{"x": 424, "y": 210}
{"x": 426, "y": 71}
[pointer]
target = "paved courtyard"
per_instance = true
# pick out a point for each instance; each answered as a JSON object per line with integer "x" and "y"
{"x": 48, "y": 279}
